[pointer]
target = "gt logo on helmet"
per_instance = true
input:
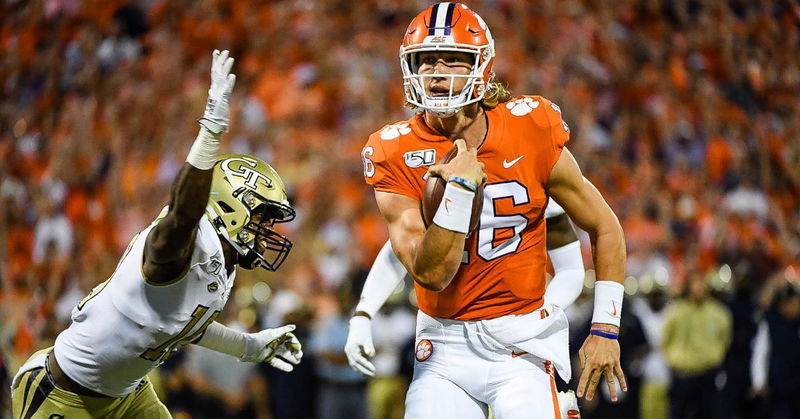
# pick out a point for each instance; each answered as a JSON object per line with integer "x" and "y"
{"x": 243, "y": 171}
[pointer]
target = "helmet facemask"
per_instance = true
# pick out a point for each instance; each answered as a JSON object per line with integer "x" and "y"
{"x": 444, "y": 106}
{"x": 259, "y": 245}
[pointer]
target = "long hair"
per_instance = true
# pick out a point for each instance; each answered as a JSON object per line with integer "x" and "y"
{"x": 496, "y": 93}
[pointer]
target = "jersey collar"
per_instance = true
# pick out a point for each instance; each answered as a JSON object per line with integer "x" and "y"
{"x": 495, "y": 128}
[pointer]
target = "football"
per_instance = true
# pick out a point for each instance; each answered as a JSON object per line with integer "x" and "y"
{"x": 434, "y": 189}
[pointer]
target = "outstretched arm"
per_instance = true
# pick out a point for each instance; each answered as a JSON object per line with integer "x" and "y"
{"x": 587, "y": 208}
{"x": 385, "y": 275}
{"x": 169, "y": 244}
{"x": 278, "y": 347}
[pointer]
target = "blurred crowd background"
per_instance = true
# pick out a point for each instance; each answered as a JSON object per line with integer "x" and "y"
{"x": 684, "y": 113}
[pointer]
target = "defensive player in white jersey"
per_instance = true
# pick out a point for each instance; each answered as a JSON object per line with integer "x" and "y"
{"x": 170, "y": 285}
{"x": 387, "y": 272}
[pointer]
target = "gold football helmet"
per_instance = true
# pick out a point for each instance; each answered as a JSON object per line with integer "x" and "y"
{"x": 247, "y": 198}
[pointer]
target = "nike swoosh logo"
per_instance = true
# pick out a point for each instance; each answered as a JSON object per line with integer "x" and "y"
{"x": 507, "y": 164}
{"x": 446, "y": 209}
{"x": 614, "y": 306}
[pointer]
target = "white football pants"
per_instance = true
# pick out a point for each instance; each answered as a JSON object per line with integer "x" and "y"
{"x": 463, "y": 367}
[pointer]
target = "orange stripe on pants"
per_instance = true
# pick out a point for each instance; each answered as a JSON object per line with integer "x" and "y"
{"x": 548, "y": 367}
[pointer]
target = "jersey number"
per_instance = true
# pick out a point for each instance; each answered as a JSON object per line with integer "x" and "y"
{"x": 162, "y": 352}
{"x": 492, "y": 225}
{"x": 369, "y": 166}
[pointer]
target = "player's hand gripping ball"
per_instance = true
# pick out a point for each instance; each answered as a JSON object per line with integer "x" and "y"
{"x": 434, "y": 190}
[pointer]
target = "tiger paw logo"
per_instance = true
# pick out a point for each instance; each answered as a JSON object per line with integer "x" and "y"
{"x": 522, "y": 106}
{"x": 424, "y": 350}
{"x": 393, "y": 131}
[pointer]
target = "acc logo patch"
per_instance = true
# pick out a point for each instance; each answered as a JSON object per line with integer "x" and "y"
{"x": 420, "y": 158}
{"x": 522, "y": 106}
{"x": 213, "y": 267}
{"x": 393, "y": 131}
{"x": 424, "y": 350}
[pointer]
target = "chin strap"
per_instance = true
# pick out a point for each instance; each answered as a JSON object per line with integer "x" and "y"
{"x": 247, "y": 257}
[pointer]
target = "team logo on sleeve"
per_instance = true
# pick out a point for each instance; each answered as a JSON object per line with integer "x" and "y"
{"x": 522, "y": 106}
{"x": 420, "y": 158}
{"x": 424, "y": 350}
{"x": 393, "y": 131}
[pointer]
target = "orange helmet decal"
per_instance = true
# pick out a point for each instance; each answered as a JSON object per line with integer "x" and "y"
{"x": 447, "y": 26}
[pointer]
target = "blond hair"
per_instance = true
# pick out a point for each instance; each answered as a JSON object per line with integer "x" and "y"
{"x": 496, "y": 93}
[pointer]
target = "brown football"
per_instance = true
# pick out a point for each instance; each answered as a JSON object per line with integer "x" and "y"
{"x": 434, "y": 189}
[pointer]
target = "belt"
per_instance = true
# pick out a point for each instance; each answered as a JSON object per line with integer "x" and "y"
{"x": 63, "y": 382}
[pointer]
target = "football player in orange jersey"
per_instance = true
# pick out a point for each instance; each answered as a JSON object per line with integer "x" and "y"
{"x": 387, "y": 273}
{"x": 485, "y": 336}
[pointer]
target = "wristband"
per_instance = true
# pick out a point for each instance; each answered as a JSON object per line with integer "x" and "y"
{"x": 463, "y": 182}
{"x": 203, "y": 153}
{"x": 455, "y": 210}
{"x": 607, "y": 302}
{"x": 603, "y": 334}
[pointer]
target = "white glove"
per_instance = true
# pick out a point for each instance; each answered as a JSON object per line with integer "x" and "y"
{"x": 359, "y": 346}
{"x": 568, "y": 404}
{"x": 273, "y": 346}
{"x": 215, "y": 118}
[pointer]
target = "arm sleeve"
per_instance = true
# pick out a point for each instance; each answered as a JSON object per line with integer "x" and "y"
{"x": 221, "y": 338}
{"x": 385, "y": 275}
{"x": 567, "y": 283}
{"x": 759, "y": 368}
{"x": 553, "y": 209}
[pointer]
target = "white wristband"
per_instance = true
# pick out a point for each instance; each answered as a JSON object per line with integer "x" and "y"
{"x": 455, "y": 209}
{"x": 607, "y": 302}
{"x": 204, "y": 151}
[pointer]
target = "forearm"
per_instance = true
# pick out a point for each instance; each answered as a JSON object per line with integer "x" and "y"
{"x": 189, "y": 194}
{"x": 608, "y": 246}
{"x": 385, "y": 275}
{"x": 221, "y": 338}
{"x": 437, "y": 257}
{"x": 169, "y": 242}
{"x": 608, "y": 251}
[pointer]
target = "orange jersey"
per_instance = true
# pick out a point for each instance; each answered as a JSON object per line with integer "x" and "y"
{"x": 503, "y": 270}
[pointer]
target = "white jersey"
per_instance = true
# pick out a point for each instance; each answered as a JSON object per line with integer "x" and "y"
{"x": 126, "y": 326}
